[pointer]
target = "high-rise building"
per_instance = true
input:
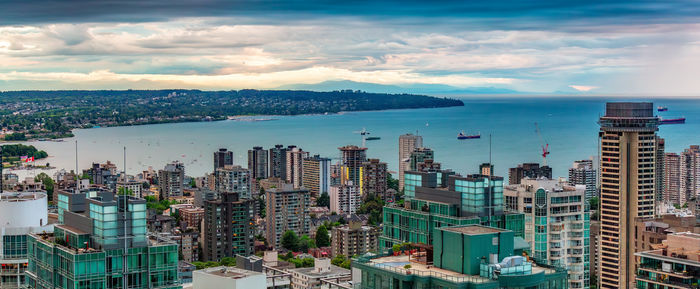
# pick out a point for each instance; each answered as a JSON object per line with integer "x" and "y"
{"x": 295, "y": 161}
{"x": 628, "y": 176}
{"x": 352, "y": 158}
{"x": 171, "y": 180}
{"x": 257, "y": 163}
{"x": 418, "y": 156}
{"x": 530, "y": 170}
{"x": 223, "y": 158}
{"x": 233, "y": 179}
{"x": 584, "y": 173}
{"x": 407, "y": 143}
{"x": 287, "y": 210}
{"x": 441, "y": 198}
{"x": 660, "y": 171}
{"x": 278, "y": 162}
{"x": 21, "y": 213}
{"x": 556, "y": 224}
{"x": 228, "y": 227}
{"x": 672, "y": 178}
{"x": 345, "y": 198}
{"x": 317, "y": 175}
{"x": 374, "y": 179}
{"x": 674, "y": 264}
{"x": 690, "y": 174}
{"x": 102, "y": 243}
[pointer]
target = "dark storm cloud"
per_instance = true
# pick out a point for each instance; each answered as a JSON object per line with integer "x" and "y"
{"x": 511, "y": 14}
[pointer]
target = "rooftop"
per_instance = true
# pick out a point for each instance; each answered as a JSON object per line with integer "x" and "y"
{"x": 21, "y": 196}
{"x": 229, "y": 272}
{"x": 397, "y": 263}
{"x": 474, "y": 230}
{"x": 311, "y": 271}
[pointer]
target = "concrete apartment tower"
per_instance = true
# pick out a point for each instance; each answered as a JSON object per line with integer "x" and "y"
{"x": 672, "y": 178}
{"x": 689, "y": 174}
{"x": 278, "y": 162}
{"x": 257, "y": 163}
{"x": 223, "y": 158}
{"x": 295, "y": 165}
{"x": 583, "y": 172}
{"x": 628, "y": 175}
{"x": 407, "y": 143}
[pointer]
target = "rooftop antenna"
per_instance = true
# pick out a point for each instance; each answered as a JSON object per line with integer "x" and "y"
{"x": 76, "y": 163}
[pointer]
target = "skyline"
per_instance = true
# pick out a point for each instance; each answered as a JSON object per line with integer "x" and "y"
{"x": 502, "y": 48}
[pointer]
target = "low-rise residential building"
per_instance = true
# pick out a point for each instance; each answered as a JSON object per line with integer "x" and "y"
{"x": 310, "y": 278}
{"x": 227, "y": 277}
{"x": 354, "y": 239}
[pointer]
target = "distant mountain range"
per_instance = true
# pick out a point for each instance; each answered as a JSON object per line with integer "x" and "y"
{"x": 409, "y": 88}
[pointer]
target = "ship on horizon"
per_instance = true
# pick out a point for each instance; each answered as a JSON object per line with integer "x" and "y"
{"x": 462, "y": 135}
{"x": 679, "y": 120}
{"x": 662, "y": 108}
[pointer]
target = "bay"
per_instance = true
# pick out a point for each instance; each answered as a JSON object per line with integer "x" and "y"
{"x": 567, "y": 125}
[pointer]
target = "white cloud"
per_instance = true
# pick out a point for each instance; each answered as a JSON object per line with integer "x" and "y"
{"x": 195, "y": 52}
{"x": 584, "y": 88}
{"x": 256, "y": 80}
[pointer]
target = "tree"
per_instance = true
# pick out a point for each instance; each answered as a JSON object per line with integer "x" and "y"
{"x": 290, "y": 241}
{"x": 373, "y": 206}
{"x": 47, "y": 182}
{"x": 322, "y": 239}
{"x": 338, "y": 259}
{"x": 305, "y": 243}
{"x": 593, "y": 203}
{"x": 392, "y": 183}
{"x": 324, "y": 200}
{"x": 228, "y": 261}
{"x": 124, "y": 191}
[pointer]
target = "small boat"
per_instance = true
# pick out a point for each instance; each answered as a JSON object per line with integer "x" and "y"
{"x": 662, "y": 108}
{"x": 373, "y": 138}
{"x": 461, "y": 135}
{"x": 680, "y": 120}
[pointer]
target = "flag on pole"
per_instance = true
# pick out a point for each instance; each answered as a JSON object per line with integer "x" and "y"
{"x": 29, "y": 159}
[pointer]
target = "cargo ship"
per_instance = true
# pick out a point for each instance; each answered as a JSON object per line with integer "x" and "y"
{"x": 373, "y": 138}
{"x": 461, "y": 135}
{"x": 679, "y": 120}
{"x": 662, "y": 108}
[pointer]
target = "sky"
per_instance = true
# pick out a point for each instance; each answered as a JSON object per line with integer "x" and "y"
{"x": 636, "y": 48}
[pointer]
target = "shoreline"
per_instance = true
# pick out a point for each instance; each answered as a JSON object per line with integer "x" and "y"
{"x": 227, "y": 118}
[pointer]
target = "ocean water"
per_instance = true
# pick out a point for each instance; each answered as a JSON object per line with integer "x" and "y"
{"x": 567, "y": 125}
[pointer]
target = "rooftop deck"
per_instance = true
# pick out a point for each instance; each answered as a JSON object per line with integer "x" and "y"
{"x": 396, "y": 264}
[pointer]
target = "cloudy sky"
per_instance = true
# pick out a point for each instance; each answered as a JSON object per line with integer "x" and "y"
{"x": 549, "y": 47}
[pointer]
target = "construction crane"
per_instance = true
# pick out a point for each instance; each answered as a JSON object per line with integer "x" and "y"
{"x": 544, "y": 144}
{"x": 364, "y": 134}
